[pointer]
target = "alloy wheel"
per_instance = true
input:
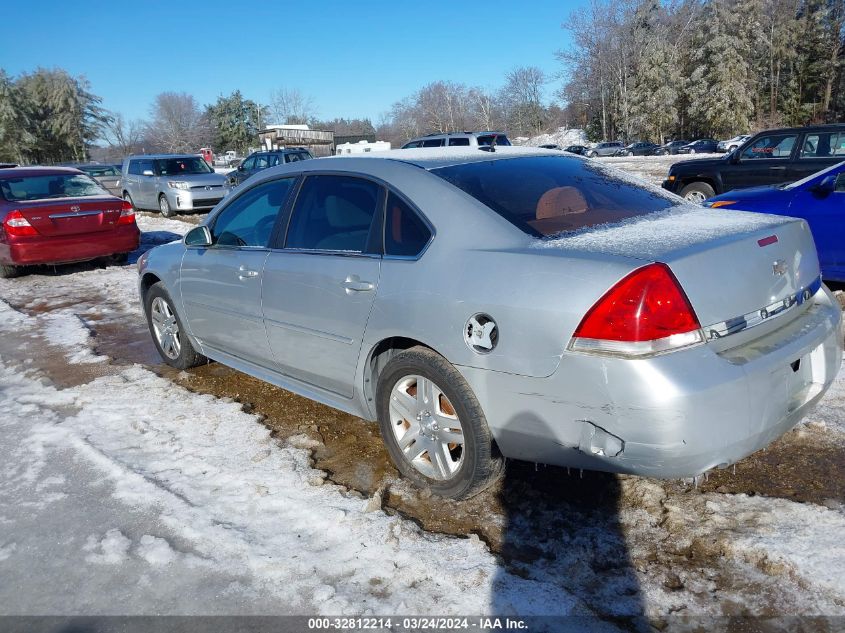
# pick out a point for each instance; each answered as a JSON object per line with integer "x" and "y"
{"x": 426, "y": 427}
{"x": 166, "y": 328}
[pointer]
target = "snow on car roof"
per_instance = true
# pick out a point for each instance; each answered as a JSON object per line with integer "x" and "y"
{"x": 653, "y": 236}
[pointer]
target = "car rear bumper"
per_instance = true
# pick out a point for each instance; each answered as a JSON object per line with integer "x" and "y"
{"x": 675, "y": 415}
{"x": 70, "y": 248}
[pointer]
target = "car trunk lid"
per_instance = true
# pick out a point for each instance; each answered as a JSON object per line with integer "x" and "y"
{"x": 733, "y": 266}
{"x": 72, "y": 216}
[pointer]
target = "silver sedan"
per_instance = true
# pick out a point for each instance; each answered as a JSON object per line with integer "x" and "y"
{"x": 511, "y": 303}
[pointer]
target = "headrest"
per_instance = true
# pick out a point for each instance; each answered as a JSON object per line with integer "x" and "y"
{"x": 560, "y": 201}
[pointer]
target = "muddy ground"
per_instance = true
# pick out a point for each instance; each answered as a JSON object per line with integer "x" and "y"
{"x": 580, "y": 530}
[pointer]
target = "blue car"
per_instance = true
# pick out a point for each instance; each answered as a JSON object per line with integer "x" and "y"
{"x": 819, "y": 199}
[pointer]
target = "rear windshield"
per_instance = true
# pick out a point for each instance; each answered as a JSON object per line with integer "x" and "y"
{"x": 551, "y": 195}
{"x": 52, "y": 186}
{"x": 181, "y": 166}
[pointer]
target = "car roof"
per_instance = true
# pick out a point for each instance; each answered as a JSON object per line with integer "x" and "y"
{"x": 827, "y": 127}
{"x": 436, "y": 157}
{"x": 36, "y": 170}
{"x": 156, "y": 156}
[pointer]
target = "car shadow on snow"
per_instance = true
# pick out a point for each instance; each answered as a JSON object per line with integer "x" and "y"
{"x": 562, "y": 534}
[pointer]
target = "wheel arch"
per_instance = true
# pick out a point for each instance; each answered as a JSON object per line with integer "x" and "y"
{"x": 378, "y": 356}
{"x": 709, "y": 179}
{"x": 147, "y": 282}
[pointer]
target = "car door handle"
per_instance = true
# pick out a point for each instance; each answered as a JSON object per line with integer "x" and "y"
{"x": 778, "y": 168}
{"x": 246, "y": 273}
{"x": 354, "y": 284}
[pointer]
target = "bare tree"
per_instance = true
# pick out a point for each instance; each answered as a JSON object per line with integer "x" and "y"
{"x": 125, "y": 137}
{"x": 522, "y": 99}
{"x": 177, "y": 123}
{"x": 290, "y": 106}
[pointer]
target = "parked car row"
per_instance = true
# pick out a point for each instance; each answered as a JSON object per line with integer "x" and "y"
{"x": 767, "y": 158}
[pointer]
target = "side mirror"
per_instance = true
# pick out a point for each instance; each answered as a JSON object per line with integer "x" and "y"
{"x": 825, "y": 187}
{"x": 147, "y": 172}
{"x": 199, "y": 236}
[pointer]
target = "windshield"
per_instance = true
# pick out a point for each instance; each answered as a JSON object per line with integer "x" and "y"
{"x": 98, "y": 171}
{"x": 819, "y": 174}
{"x": 51, "y": 186}
{"x": 181, "y": 166}
{"x": 487, "y": 139}
{"x": 549, "y": 195}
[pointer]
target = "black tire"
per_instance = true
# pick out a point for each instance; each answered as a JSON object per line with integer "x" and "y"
{"x": 697, "y": 192}
{"x": 590, "y": 154}
{"x": 164, "y": 206}
{"x": 7, "y": 272}
{"x": 128, "y": 199}
{"x": 187, "y": 356}
{"x": 481, "y": 464}
{"x": 119, "y": 259}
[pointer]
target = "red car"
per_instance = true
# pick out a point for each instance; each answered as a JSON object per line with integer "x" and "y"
{"x": 57, "y": 215}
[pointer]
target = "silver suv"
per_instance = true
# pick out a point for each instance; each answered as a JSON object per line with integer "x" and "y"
{"x": 172, "y": 183}
{"x": 604, "y": 149}
{"x": 459, "y": 139}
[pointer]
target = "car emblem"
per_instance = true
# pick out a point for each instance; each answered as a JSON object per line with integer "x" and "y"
{"x": 208, "y": 188}
{"x": 779, "y": 267}
{"x": 75, "y": 208}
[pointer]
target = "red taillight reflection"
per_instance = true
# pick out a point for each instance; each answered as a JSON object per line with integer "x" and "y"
{"x": 127, "y": 213}
{"x": 16, "y": 225}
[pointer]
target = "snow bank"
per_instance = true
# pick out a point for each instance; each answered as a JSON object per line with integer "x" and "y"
{"x": 562, "y": 137}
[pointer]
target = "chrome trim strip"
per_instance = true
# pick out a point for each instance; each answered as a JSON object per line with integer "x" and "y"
{"x": 78, "y": 214}
{"x": 763, "y": 315}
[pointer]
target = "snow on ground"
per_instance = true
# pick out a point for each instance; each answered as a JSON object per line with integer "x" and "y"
{"x": 653, "y": 169}
{"x": 148, "y": 484}
{"x": 562, "y": 137}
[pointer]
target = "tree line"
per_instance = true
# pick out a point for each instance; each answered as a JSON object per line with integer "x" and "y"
{"x": 689, "y": 68}
{"x": 635, "y": 69}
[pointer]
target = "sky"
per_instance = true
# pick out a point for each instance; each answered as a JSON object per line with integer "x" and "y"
{"x": 355, "y": 59}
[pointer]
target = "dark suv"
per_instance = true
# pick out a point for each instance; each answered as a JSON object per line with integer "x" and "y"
{"x": 767, "y": 158}
{"x": 262, "y": 160}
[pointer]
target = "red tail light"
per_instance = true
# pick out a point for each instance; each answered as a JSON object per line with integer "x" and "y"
{"x": 645, "y": 313}
{"x": 16, "y": 225}
{"x": 127, "y": 213}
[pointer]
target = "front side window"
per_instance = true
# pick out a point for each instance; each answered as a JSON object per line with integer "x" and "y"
{"x": 411, "y": 145}
{"x": 249, "y": 163}
{"x": 405, "y": 234}
{"x": 262, "y": 162}
{"x": 823, "y": 145}
{"x": 550, "y": 195}
{"x": 52, "y": 186}
{"x": 770, "y": 146}
{"x": 434, "y": 142}
{"x": 135, "y": 167}
{"x": 333, "y": 213}
{"x": 249, "y": 219}
{"x": 458, "y": 142}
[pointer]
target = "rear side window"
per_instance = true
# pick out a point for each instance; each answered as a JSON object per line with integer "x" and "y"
{"x": 770, "y": 146}
{"x": 405, "y": 234}
{"x": 249, "y": 219}
{"x": 549, "y": 195}
{"x": 333, "y": 213}
{"x": 823, "y": 145}
{"x": 458, "y": 141}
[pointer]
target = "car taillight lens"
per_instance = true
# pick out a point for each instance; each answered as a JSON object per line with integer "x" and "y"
{"x": 127, "y": 214}
{"x": 645, "y": 313}
{"x": 18, "y": 226}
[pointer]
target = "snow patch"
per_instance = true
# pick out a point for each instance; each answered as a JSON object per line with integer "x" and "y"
{"x": 110, "y": 549}
{"x": 155, "y": 550}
